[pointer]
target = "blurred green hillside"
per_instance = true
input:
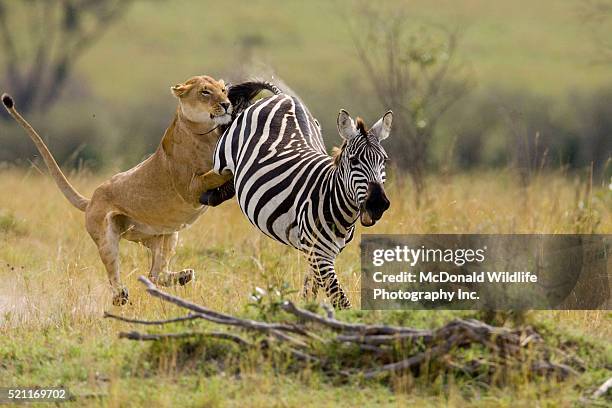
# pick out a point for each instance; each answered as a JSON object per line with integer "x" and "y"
{"x": 518, "y": 54}
{"x": 539, "y": 45}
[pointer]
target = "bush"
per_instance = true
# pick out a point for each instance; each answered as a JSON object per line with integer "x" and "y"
{"x": 490, "y": 128}
{"x": 495, "y": 128}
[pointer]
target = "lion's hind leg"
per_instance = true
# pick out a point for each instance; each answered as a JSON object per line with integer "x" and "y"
{"x": 162, "y": 250}
{"x": 106, "y": 233}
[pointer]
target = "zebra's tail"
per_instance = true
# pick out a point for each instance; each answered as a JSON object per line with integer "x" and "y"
{"x": 241, "y": 95}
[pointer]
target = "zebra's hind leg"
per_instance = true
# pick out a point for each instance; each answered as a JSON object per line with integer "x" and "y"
{"x": 325, "y": 276}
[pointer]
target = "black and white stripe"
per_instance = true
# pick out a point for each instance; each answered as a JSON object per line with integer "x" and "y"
{"x": 291, "y": 189}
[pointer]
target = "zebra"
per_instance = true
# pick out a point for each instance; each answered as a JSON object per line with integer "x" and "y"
{"x": 292, "y": 190}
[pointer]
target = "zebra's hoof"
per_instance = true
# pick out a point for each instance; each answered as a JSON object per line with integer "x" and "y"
{"x": 342, "y": 304}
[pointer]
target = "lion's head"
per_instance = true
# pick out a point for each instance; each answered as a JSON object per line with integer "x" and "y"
{"x": 203, "y": 99}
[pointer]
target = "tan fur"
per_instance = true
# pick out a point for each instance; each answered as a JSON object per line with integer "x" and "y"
{"x": 157, "y": 198}
{"x": 337, "y": 154}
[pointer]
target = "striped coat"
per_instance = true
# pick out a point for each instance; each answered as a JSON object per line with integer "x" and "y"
{"x": 289, "y": 187}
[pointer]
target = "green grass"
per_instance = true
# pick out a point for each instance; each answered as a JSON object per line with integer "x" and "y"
{"x": 541, "y": 46}
{"x": 119, "y": 90}
{"x": 521, "y": 44}
{"x": 53, "y": 292}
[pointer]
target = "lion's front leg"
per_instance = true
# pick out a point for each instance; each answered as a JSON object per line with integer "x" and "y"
{"x": 209, "y": 181}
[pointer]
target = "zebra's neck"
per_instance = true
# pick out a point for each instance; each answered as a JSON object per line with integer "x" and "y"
{"x": 343, "y": 210}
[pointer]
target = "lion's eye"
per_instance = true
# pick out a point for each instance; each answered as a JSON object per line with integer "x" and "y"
{"x": 205, "y": 92}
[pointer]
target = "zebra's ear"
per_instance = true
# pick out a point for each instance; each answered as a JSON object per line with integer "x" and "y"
{"x": 382, "y": 128}
{"x": 346, "y": 125}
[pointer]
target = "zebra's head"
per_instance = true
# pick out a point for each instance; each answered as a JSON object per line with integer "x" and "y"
{"x": 362, "y": 160}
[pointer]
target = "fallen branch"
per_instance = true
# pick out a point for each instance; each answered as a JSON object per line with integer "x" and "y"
{"x": 413, "y": 361}
{"x": 217, "y": 317}
{"x": 603, "y": 389}
{"x": 342, "y": 326}
{"x": 152, "y": 322}
{"x": 134, "y": 335}
{"x": 366, "y": 350}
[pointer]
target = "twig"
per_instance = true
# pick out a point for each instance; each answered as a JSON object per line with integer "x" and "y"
{"x": 602, "y": 389}
{"x": 546, "y": 368}
{"x": 218, "y": 317}
{"x": 134, "y": 335}
{"x": 303, "y": 356}
{"x": 329, "y": 311}
{"x": 379, "y": 339}
{"x": 413, "y": 361}
{"x": 152, "y": 322}
{"x": 289, "y": 307}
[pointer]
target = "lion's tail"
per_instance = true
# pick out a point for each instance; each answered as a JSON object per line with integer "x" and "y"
{"x": 64, "y": 185}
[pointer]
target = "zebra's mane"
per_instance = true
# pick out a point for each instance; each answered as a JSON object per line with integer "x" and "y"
{"x": 361, "y": 127}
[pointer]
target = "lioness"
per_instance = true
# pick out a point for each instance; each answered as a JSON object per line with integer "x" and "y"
{"x": 157, "y": 198}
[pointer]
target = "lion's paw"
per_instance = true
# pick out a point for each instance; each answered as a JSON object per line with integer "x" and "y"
{"x": 186, "y": 276}
{"x": 121, "y": 297}
{"x": 173, "y": 278}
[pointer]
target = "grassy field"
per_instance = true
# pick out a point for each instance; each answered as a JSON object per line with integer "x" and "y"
{"x": 541, "y": 45}
{"x": 528, "y": 63}
{"x": 53, "y": 291}
{"x": 537, "y": 47}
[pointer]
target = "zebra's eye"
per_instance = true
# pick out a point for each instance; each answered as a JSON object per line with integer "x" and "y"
{"x": 354, "y": 160}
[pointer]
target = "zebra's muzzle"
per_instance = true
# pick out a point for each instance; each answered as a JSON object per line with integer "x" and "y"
{"x": 374, "y": 205}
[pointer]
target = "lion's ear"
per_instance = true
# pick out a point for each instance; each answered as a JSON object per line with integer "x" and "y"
{"x": 179, "y": 90}
{"x": 222, "y": 83}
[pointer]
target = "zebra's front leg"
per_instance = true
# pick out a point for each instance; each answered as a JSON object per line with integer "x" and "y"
{"x": 325, "y": 277}
{"x": 213, "y": 188}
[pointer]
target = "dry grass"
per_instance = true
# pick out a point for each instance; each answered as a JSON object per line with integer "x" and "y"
{"x": 53, "y": 288}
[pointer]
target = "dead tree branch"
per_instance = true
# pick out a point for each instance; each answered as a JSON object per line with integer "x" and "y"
{"x": 134, "y": 335}
{"x": 603, "y": 389}
{"x": 382, "y": 349}
{"x": 151, "y": 322}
